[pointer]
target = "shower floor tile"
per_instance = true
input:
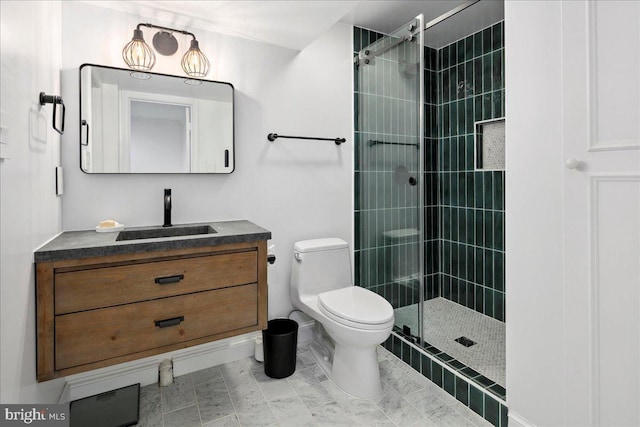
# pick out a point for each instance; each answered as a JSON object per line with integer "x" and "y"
{"x": 445, "y": 321}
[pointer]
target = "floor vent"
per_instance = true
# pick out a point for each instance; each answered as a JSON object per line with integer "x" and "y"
{"x": 465, "y": 341}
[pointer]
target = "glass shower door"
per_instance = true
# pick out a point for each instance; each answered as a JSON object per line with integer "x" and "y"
{"x": 389, "y": 251}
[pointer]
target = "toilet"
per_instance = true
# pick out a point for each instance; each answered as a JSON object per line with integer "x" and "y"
{"x": 350, "y": 321}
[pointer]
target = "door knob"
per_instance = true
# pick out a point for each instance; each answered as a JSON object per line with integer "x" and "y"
{"x": 572, "y": 163}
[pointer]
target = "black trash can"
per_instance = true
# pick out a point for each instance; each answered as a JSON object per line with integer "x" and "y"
{"x": 280, "y": 341}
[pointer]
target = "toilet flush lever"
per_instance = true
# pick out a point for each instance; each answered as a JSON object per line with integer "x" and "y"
{"x": 297, "y": 256}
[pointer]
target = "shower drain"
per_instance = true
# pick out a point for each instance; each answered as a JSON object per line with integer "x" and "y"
{"x": 465, "y": 341}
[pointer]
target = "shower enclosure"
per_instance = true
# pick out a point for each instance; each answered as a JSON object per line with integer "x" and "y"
{"x": 429, "y": 202}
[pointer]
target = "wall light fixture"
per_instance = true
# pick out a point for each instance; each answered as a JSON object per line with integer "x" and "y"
{"x": 139, "y": 56}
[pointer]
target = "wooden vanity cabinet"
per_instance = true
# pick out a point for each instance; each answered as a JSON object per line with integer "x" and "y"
{"x": 100, "y": 311}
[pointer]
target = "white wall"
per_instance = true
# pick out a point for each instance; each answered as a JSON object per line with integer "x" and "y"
{"x": 29, "y": 208}
{"x": 535, "y": 371}
{"x": 296, "y": 189}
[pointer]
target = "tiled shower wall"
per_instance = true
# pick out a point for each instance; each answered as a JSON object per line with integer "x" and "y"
{"x": 471, "y": 202}
{"x": 387, "y": 243}
{"x": 464, "y": 208}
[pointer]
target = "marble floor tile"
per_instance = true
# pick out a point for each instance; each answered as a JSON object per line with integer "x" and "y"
{"x": 178, "y": 395}
{"x": 185, "y": 417}
{"x": 240, "y": 394}
{"x": 205, "y": 375}
{"x": 331, "y": 414}
{"x": 214, "y": 400}
{"x": 230, "y": 421}
{"x": 398, "y": 409}
{"x": 289, "y": 410}
{"x": 150, "y": 410}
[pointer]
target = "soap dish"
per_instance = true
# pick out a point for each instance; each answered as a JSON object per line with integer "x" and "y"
{"x": 118, "y": 227}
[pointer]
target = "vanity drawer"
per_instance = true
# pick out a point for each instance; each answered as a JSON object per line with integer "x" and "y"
{"x": 113, "y": 285}
{"x": 95, "y": 335}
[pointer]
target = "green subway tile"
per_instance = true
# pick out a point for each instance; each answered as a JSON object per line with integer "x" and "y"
{"x": 460, "y": 50}
{"x": 499, "y": 390}
{"x": 406, "y": 353}
{"x": 497, "y": 70}
{"x": 491, "y": 410}
{"x": 462, "y": 391}
{"x": 479, "y": 190}
{"x": 459, "y": 83}
{"x": 504, "y": 419}
{"x": 477, "y": 76}
{"x": 469, "y": 372}
{"x": 488, "y": 302}
{"x": 487, "y": 190}
{"x": 453, "y": 54}
{"x": 498, "y": 190}
{"x": 496, "y": 105}
{"x": 453, "y": 83}
{"x": 446, "y": 287}
{"x": 496, "y": 39}
{"x": 449, "y": 382}
{"x": 471, "y": 269}
{"x": 468, "y": 114}
{"x": 488, "y": 229}
{"x": 487, "y": 106}
{"x": 488, "y": 269}
{"x": 498, "y": 271}
{"x": 479, "y": 227}
{"x": 436, "y": 374}
{"x": 397, "y": 346}
{"x": 476, "y": 400}
{"x": 415, "y": 358}
{"x": 470, "y": 185}
{"x": 454, "y": 183}
{"x": 456, "y": 364}
{"x": 462, "y": 222}
{"x": 462, "y": 125}
{"x": 462, "y": 290}
{"x": 484, "y": 381}
{"x": 477, "y": 44}
{"x": 487, "y": 73}
{"x": 426, "y": 366}
{"x": 468, "y": 48}
{"x": 498, "y": 306}
{"x": 479, "y": 292}
{"x": 477, "y": 108}
{"x": 486, "y": 40}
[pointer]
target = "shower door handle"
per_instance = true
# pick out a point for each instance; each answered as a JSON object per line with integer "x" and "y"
{"x": 412, "y": 181}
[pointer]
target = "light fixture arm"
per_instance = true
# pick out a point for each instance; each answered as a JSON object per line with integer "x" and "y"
{"x": 166, "y": 29}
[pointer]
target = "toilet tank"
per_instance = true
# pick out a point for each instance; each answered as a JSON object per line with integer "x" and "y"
{"x": 319, "y": 265}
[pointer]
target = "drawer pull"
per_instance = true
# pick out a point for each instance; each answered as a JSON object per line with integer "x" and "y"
{"x": 169, "y": 322}
{"x": 169, "y": 279}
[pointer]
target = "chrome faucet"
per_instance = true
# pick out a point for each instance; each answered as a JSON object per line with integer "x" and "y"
{"x": 167, "y": 208}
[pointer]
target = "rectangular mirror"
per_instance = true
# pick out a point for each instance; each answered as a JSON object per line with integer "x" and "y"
{"x": 135, "y": 122}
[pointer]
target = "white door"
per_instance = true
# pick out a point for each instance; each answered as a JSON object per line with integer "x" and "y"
{"x": 601, "y": 134}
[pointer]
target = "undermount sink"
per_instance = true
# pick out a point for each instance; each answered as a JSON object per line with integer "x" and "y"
{"x": 156, "y": 233}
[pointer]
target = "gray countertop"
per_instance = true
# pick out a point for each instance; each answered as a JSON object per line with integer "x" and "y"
{"x": 89, "y": 243}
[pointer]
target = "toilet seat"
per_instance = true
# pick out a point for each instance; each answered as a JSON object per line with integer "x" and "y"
{"x": 356, "y": 307}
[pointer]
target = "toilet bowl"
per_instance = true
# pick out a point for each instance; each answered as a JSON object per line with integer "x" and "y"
{"x": 350, "y": 321}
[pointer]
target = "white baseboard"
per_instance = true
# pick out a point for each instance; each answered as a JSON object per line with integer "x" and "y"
{"x": 185, "y": 361}
{"x": 516, "y": 420}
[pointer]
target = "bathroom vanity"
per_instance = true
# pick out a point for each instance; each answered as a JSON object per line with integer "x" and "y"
{"x": 102, "y": 301}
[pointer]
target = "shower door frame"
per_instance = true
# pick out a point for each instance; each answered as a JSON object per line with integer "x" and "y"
{"x": 411, "y": 32}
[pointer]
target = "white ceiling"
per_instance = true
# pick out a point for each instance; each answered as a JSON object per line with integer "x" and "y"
{"x": 295, "y": 24}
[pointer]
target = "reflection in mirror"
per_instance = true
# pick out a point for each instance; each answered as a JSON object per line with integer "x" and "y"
{"x": 159, "y": 124}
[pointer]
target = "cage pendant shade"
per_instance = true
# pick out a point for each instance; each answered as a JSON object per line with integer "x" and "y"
{"x": 194, "y": 62}
{"x": 137, "y": 54}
